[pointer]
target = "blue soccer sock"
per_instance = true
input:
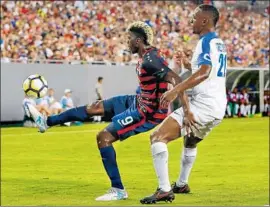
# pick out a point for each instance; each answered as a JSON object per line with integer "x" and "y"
{"x": 109, "y": 161}
{"x": 74, "y": 114}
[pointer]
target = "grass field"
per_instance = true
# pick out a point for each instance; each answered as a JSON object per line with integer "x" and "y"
{"x": 63, "y": 166}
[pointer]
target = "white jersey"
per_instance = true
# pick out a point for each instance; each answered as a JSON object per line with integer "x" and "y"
{"x": 210, "y": 95}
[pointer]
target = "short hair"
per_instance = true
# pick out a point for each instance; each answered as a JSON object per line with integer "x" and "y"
{"x": 213, "y": 10}
{"x": 142, "y": 30}
{"x": 100, "y": 78}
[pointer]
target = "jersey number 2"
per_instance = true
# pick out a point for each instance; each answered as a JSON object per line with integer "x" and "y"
{"x": 223, "y": 63}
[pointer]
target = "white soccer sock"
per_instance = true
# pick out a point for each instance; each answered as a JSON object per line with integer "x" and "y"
{"x": 265, "y": 107}
{"x": 99, "y": 118}
{"x": 248, "y": 109}
{"x": 229, "y": 110}
{"x": 160, "y": 159}
{"x": 254, "y": 107}
{"x": 242, "y": 109}
{"x": 188, "y": 158}
{"x": 95, "y": 118}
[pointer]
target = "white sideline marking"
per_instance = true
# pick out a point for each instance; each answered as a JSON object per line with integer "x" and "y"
{"x": 60, "y": 132}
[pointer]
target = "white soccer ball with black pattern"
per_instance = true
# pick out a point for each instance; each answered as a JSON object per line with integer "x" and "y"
{"x": 35, "y": 86}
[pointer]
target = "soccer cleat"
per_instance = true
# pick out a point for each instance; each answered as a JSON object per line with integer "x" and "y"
{"x": 158, "y": 196}
{"x": 182, "y": 189}
{"x": 113, "y": 194}
{"x": 37, "y": 117}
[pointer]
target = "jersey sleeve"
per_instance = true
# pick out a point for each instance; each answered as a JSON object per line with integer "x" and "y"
{"x": 204, "y": 58}
{"x": 154, "y": 64}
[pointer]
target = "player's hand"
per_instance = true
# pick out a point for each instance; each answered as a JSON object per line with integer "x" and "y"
{"x": 190, "y": 123}
{"x": 167, "y": 98}
{"x": 180, "y": 57}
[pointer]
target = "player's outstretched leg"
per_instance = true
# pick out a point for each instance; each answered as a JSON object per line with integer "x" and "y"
{"x": 108, "y": 155}
{"x": 81, "y": 113}
{"x": 168, "y": 130}
{"x": 37, "y": 117}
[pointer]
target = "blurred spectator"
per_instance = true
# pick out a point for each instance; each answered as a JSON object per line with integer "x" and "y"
{"x": 43, "y": 106}
{"x": 233, "y": 102}
{"x": 252, "y": 106}
{"x": 266, "y": 111}
{"x": 243, "y": 102}
{"x": 67, "y": 102}
{"x": 229, "y": 104}
{"x": 94, "y": 31}
{"x": 54, "y": 106}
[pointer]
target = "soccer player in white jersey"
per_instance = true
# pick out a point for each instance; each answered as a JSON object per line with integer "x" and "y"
{"x": 207, "y": 105}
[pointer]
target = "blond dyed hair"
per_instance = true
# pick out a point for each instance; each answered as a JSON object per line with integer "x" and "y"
{"x": 139, "y": 25}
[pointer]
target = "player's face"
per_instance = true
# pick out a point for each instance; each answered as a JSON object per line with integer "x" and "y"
{"x": 132, "y": 43}
{"x": 197, "y": 21}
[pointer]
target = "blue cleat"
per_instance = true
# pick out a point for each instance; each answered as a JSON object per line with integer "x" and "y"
{"x": 37, "y": 117}
{"x": 113, "y": 194}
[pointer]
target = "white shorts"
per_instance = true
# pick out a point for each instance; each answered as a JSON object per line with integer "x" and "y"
{"x": 207, "y": 122}
{"x": 56, "y": 105}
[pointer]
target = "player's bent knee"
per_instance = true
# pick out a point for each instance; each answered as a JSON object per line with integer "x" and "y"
{"x": 95, "y": 108}
{"x": 157, "y": 136}
{"x": 105, "y": 139}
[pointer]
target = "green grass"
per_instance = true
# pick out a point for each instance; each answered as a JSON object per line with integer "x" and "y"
{"x": 63, "y": 166}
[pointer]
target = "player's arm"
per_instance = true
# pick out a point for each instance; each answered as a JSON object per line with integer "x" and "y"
{"x": 205, "y": 66}
{"x": 159, "y": 68}
{"x": 195, "y": 79}
{"x": 174, "y": 79}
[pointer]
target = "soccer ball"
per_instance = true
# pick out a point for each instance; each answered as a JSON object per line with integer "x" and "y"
{"x": 35, "y": 86}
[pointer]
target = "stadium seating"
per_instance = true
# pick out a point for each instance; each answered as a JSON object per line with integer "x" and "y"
{"x": 94, "y": 31}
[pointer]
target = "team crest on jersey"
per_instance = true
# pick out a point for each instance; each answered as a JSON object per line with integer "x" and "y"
{"x": 207, "y": 57}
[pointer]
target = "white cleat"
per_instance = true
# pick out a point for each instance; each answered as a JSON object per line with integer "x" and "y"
{"x": 38, "y": 117}
{"x": 113, "y": 194}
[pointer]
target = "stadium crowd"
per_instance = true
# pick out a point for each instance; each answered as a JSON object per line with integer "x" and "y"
{"x": 95, "y": 31}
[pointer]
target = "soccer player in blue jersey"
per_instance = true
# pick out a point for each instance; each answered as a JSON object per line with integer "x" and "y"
{"x": 130, "y": 114}
{"x": 207, "y": 105}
